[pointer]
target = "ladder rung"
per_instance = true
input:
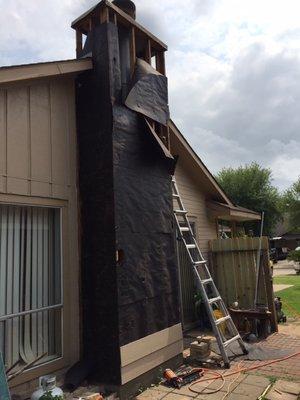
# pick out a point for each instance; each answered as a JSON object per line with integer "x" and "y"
{"x": 206, "y": 281}
{"x": 180, "y": 211}
{"x": 184, "y": 229}
{"x": 176, "y": 196}
{"x": 221, "y": 320}
{"x": 199, "y": 262}
{"x": 191, "y": 246}
{"x": 227, "y": 343}
{"x": 214, "y": 300}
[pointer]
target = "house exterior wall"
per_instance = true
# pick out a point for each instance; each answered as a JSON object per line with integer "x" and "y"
{"x": 194, "y": 200}
{"x": 38, "y": 167}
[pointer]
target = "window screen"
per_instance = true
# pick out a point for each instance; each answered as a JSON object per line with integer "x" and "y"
{"x": 30, "y": 285}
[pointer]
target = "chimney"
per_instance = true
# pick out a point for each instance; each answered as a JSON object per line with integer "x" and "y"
{"x": 127, "y": 6}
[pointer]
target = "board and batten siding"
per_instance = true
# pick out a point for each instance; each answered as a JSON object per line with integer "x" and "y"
{"x": 38, "y": 139}
{"x": 38, "y": 167}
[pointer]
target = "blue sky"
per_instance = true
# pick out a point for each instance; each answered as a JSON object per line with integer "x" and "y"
{"x": 233, "y": 68}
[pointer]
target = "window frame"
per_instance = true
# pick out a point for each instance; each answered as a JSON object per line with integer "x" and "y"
{"x": 67, "y": 351}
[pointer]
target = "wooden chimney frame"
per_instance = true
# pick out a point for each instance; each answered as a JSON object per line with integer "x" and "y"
{"x": 105, "y": 12}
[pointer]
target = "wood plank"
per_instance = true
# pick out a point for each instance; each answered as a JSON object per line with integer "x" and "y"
{"x": 148, "y": 52}
{"x": 78, "y": 43}
{"x": 160, "y": 62}
{"x": 269, "y": 290}
{"x": 149, "y": 344}
{"x": 132, "y": 50}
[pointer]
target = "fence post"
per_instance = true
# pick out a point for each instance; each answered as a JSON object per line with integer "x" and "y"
{"x": 269, "y": 290}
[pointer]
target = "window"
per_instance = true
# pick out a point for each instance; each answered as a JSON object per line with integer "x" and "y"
{"x": 30, "y": 285}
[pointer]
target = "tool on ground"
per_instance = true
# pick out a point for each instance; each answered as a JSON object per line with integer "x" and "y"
{"x": 172, "y": 378}
{"x": 205, "y": 284}
{"x": 183, "y": 378}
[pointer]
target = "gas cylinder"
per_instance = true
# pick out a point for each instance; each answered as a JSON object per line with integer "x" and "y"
{"x": 47, "y": 385}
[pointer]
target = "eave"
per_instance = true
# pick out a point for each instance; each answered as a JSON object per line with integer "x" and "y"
{"x": 18, "y": 73}
{"x": 232, "y": 213}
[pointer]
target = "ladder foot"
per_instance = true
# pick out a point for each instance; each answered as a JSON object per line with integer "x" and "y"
{"x": 227, "y": 365}
{"x": 245, "y": 351}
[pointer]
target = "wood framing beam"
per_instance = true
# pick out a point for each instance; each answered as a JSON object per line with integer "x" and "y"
{"x": 160, "y": 62}
{"x": 104, "y": 15}
{"x": 123, "y": 18}
{"x": 148, "y": 52}
{"x": 132, "y": 50}
{"x": 78, "y": 43}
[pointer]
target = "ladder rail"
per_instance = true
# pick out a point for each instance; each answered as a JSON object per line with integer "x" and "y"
{"x": 193, "y": 250}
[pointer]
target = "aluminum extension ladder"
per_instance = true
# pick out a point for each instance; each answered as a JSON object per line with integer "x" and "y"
{"x": 205, "y": 284}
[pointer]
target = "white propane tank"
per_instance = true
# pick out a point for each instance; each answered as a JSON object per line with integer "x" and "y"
{"x": 47, "y": 384}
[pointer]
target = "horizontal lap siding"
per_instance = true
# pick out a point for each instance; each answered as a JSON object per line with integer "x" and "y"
{"x": 195, "y": 203}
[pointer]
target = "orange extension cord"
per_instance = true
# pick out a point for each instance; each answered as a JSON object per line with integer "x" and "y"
{"x": 237, "y": 371}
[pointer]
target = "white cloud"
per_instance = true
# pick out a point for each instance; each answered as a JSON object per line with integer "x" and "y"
{"x": 233, "y": 67}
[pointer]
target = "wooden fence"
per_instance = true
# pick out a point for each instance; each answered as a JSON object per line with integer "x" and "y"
{"x": 233, "y": 264}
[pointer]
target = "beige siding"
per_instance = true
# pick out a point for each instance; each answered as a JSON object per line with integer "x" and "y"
{"x": 194, "y": 200}
{"x": 36, "y": 128}
{"x": 38, "y": 166}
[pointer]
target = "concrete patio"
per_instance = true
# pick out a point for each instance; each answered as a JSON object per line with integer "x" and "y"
{"x": 244, "y": 386}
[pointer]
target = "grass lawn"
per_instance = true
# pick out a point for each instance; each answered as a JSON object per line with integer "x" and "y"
{"x": 291, "y": 296}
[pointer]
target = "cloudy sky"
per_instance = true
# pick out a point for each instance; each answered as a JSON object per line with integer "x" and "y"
{"x": 233, "y": 68}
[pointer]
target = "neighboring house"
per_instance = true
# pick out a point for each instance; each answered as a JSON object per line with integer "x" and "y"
{"x": 285, "y": 242}
{"x": 285, "y": 239}
{"x": 88, "y": 264}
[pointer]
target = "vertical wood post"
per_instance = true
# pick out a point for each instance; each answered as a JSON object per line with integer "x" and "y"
{"x": 269, "y": 289}
{"x": 115, "y": 19}
{"x": 104, "y": 15}
{"x": 148, "y": 52}
{"x": 78, "y": 43}
{"x": 132, "y": 50}
{"x": 233, "y": 229}
{"x": 160, "y": 62}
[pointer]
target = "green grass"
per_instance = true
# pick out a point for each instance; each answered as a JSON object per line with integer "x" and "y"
{"x": 291, "y": 296}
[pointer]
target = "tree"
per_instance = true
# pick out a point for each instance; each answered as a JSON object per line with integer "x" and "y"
{"x": 291, "y": 205}
{"x": 250, "y": 186}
